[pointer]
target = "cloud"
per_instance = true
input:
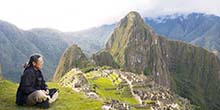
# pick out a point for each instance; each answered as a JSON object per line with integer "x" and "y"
{"x": 74, "y": 15}
{"x": 164, "y": 7}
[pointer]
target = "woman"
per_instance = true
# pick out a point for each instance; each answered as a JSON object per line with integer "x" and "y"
{"x": 32, "y": 89}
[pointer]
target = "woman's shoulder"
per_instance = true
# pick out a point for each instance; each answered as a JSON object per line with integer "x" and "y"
{"x": 29, "y": 71}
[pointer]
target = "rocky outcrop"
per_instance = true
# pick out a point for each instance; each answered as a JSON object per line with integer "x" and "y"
{"x": 190, "y": 71}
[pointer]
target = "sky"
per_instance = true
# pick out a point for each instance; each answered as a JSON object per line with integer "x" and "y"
{"x": 75, "y": 15}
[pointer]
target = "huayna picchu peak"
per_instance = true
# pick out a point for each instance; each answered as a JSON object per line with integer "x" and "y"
{"x": 190, "y": 71}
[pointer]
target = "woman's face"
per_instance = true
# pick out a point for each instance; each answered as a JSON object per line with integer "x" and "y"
{"x": 39, "y": 63}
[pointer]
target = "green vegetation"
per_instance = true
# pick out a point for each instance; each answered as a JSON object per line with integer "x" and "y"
{"x": 147, "y": 71}
{"x": 194, "y": 75}
{"x": 67, "y": 99}
{"x": 106, "y": 88}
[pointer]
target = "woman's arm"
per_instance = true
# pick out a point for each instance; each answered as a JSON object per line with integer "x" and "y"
{"x": 44, "y": 86}
{"x": 27, "y": 82}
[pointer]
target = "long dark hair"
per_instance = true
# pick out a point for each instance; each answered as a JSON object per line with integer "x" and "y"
{"x": 33, "y": 58}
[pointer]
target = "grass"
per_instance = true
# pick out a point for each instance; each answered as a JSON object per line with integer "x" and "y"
{"x": 104, "y": 83}
{"x": 114, "y": 77}
{"x": 68, "y": 100}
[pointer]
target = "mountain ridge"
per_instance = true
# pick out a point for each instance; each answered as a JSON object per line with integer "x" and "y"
{"x": 169, "y": 62}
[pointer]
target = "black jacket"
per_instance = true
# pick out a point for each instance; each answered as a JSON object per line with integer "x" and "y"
{"x": 31, "y": 80}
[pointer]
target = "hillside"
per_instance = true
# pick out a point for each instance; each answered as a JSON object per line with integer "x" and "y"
{"x": 17, "y": 45}
{"x": 190, "y": 71}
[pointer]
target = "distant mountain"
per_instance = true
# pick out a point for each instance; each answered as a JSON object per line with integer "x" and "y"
{"x": 196, "y": 28}
{"x": 190, "y": 71}
{"x": 17, "y": 45}
{"x": 90, "y": 40}
{"x": 73, "y": 57}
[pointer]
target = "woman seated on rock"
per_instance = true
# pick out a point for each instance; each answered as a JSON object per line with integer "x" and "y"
{"x": 32, "y": 89}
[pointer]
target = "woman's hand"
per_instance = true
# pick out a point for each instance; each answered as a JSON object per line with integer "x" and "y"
{"x": 46, "y": 91}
